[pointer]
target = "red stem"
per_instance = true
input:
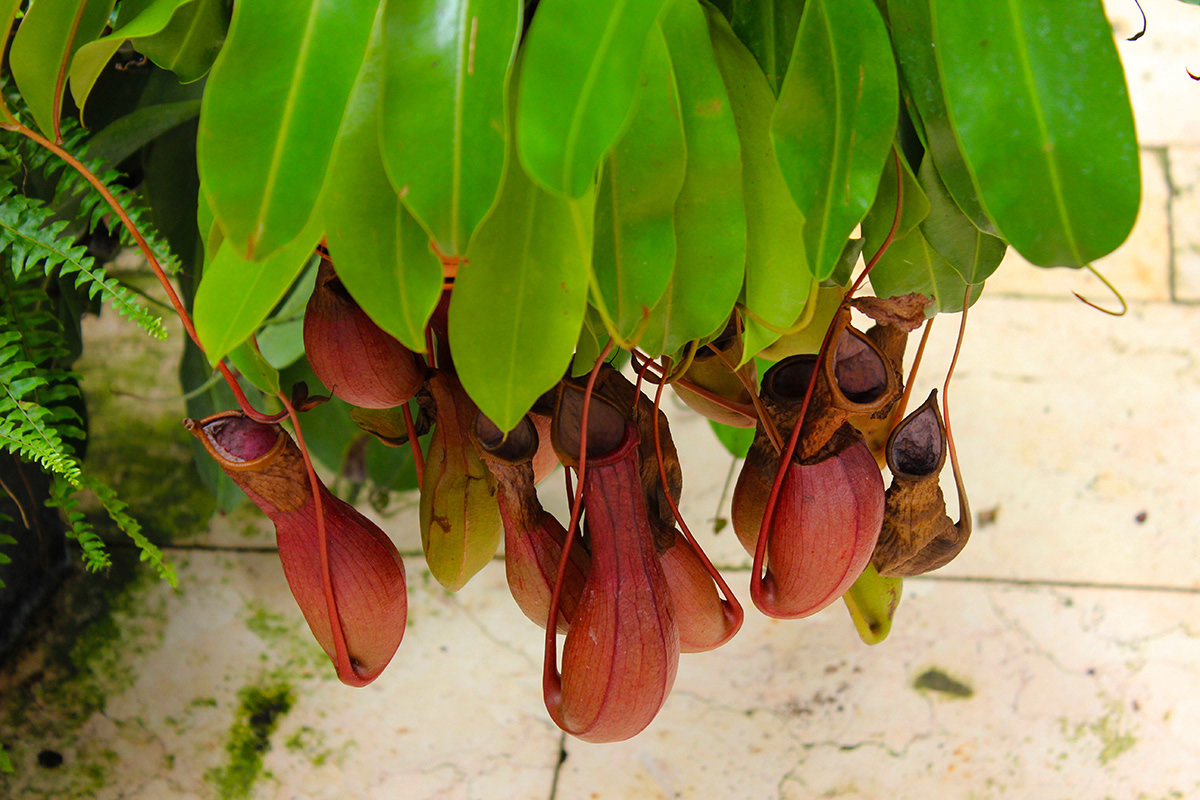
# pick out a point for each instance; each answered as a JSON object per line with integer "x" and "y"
{"x": 146, "y": 250}
{"x": 733, "y": 609}
{"x": 414, "y": 446}
{"x": 759, "y": 583}
{"x": 342, "y": 661}
{"x": 341, "y": 652}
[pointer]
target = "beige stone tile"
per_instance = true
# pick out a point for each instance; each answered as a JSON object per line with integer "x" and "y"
{"x": 1071, "y": 425}
{"x": 1139, "y": 268}
{"x": 1043, "y": 693}
{"x": 457, "y": 714}
{"x": 1156, "y": 65}
{"x": 1185, "y": 221}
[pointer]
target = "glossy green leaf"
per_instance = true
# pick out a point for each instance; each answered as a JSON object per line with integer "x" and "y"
{"x": 912, "y": 38}
{"x": 912, "y": 265}
{"x": 190, "y": 42}
{"x": 778, "y": 278}
{"x": 835, "y": 121}
{"x": 272, "y": 107}
{"x": 973, "y": 253}
{"x": 634, "y": 250}
{"x": 768, "y": 29}
{"x": 444, "y": 129}
{"x": 582, "y": 60}
{"x": 518, "y": 301}
{"x": 236, "y": 295}
{"x": 913, "y": 208}
{"x": 381, "y": 253}
{"x": 709, "y": 258}
{"x": 132, "y": 132}
{"x": 50, "y": 33}
{"x": 254, "y": 368}
{"x": 1037, "y": 84}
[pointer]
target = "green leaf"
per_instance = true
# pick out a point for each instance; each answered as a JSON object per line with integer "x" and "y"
{"x": 250, "y": 362}
{"x": 381, "y": 253}
{"x": 329, "y": 433}
{"x": 8, "y": 13}
{"x": 190, "y": 42}
{"x": 236, "y": 295}
{"x": 973, "y": 253}
{"x": 1037, "y": 99}
{"x": 768, "y": 29}
{"x": 281, "y": 340}
{"x": 124, "y": 137}
{"x": 91, "y": 59}
{"x": 912, "y": 265}
{"x": 709, "y": 259}
{"x": 446, "y": 64}
{"x": 736, "y": 440}
{"x": 913, "y": 209}
{"x": 271, "y": 112}
{"x": 518, "y": 301}
{"x": 835, "y": 121}
{"x": 50, "y": 33}
{"x": 582, "y": 59}
{"x": 634, "y": 247}
{"x": 778, "y": 278}
{"x": 912, "y": 37}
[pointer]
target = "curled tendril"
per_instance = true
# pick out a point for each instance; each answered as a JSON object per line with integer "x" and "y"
{"x": 1111, "y": 288}
{"x": 1142, "y": 32}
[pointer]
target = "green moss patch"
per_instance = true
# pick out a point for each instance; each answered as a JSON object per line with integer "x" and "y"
{"x": 258, "y": 716}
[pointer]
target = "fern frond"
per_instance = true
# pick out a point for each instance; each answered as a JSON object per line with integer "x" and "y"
{"x": 115, "y": 507}
{"x": 27, "y": 428}
{"x": 62, "y": 495}
{"x": 32, "y": 236}
{"x": 73, "y": 190}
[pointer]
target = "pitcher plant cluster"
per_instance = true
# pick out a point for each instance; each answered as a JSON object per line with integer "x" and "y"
{"x": 507, "y": 227}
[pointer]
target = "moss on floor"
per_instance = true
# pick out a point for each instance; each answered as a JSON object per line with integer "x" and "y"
{"x": 259, "y": 710}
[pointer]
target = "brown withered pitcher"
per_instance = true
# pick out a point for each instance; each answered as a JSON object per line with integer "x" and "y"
{"x": 918, "y": 536}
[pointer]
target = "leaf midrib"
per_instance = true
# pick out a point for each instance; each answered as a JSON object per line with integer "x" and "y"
{"x": 285, "y": 123}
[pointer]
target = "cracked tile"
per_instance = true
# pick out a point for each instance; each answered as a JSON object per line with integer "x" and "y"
{"x": 457, "y": 714}
{"x": 1073, "y": 432}
{"x": 1069, "y": 691}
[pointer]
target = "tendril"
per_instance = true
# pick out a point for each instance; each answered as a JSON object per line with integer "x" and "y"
{"x": 733, "y": 609}
{"x": 1111, "y": 288}
{"x": 551, "y": 679}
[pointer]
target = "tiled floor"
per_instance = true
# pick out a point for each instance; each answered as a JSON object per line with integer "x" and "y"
{"x": 1058, "y": 657}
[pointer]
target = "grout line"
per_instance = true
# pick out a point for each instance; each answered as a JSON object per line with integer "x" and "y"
{"x": 1036, "y": 582}
{"x": 562, "y": 757}
{"x": 1028, "y": 582}
{"x": 1164, "y": 161}
{"x": 741, "y": 568}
